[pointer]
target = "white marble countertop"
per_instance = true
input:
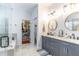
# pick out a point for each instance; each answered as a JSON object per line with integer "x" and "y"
{"x": 63, "y": 39}
{"x": 11, "y": 46}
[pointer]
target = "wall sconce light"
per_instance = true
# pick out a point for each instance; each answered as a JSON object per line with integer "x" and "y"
{"x": 52, "y": 13}
{"x": 45, "y": 17}
{"x": 64, "y": 6}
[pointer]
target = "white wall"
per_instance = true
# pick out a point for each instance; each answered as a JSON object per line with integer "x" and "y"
{"x": 19, "y": 15}
{"x": 41, "y": 10}
{"x": 60, "y": 17}
{"x": 5, "y": 14}
{"x": 15, "y": 15}
{"x": 34, "y": 19}
{"x": 4, "y": 18}
{"x": 63, "y": 14}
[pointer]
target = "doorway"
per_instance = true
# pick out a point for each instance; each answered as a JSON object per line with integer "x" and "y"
{"x": 35, "y": 31}
{"x": 25, "y": 31}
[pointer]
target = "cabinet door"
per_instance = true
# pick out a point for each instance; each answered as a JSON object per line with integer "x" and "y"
{"x": 50, "y": 45}
{"x": 55, "y": 50}
{"x": 43, "y": 42}
{"x": 54, "y": 47}
{"x": 63, "y": 50}
{"x": 46, "y": 44}
{"x": 73, "y": 50}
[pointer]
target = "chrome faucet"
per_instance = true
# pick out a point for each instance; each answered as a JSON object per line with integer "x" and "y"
{"x": 73, "y": 36}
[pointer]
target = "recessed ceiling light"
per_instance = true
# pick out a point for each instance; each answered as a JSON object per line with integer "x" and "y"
{"x": 65, "y": 6}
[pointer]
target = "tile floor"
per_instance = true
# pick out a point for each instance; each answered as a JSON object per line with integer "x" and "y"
{"x": 26, "y": 50}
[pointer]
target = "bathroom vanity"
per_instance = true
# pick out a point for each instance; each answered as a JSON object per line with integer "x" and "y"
{"x": 62, "y": 39}
{"x": 60, "y": 46}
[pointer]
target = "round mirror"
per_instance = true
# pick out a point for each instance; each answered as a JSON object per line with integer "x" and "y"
{"x": 52, "y": 24}
{"x": 72, "y": 21}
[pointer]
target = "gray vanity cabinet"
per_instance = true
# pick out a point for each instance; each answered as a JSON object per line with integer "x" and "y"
{"x": 50, "y": 46}
{"x": 70, "y": 49}
{"x": 63, "y": 49}
{"x": 54, "y": 47}
{"x": 73, "y": 50}
{"x": 59, "y": 48}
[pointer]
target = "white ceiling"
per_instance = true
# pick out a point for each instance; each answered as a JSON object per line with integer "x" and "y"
{"x": 21, "y": 6}
{"x": 51, "y": 6}
{"x": 56, "y": 5}
{"x": 25, "y": 6}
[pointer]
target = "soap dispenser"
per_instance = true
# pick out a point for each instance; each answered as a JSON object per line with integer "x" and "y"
{"x": 61, "y": 33}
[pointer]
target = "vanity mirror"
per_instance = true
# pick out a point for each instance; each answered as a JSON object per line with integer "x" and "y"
{"x": 52, "y": 25}
{"x": 72, "y": 21}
